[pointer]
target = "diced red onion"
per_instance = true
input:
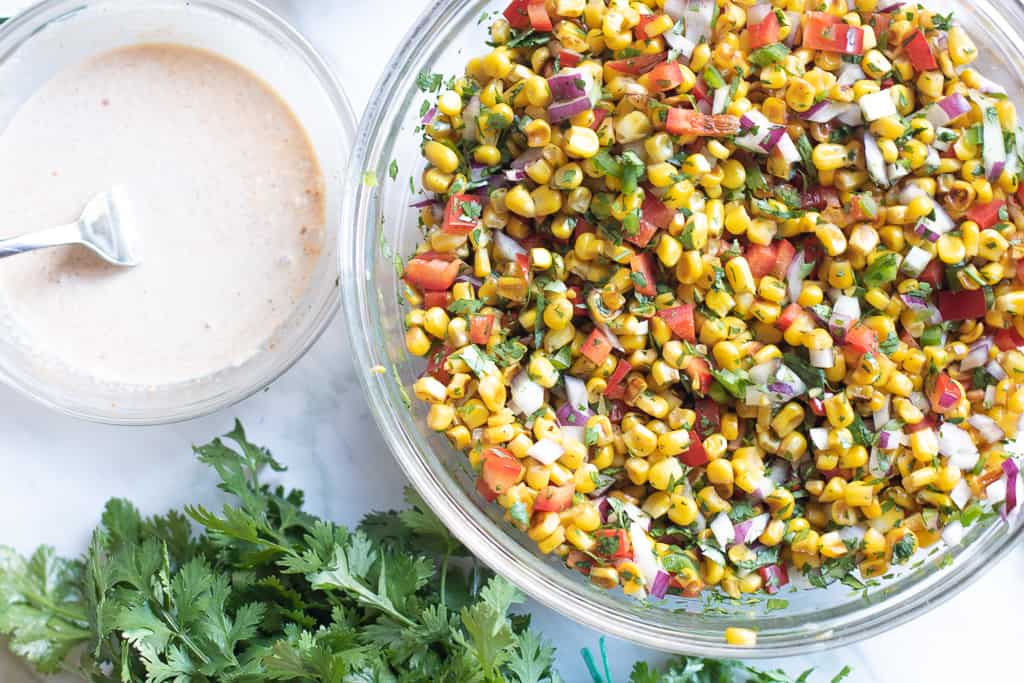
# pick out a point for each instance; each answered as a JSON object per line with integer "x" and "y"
{"x": 612, "y": 339}
{"x": 565, "y": 85}
{"x": 978, "y": 355}
{"x": 643, "y": 553}
{"x": 996, "y": 370}
{"x": 775, "y": 577}
{"x": 546, "y": 451}
{"x": 659, "y": 587}
{"x": 771, "y": 140}
{"x": 569, "y": 416}
{"x": 506, "y": 247}
{"x": 794, "y": 276}
{"x": 779, "y": 472}
{"x": 423, "y": 203}
{"x": 722, "y": 528}
{"x": 563, "y": 111}
{"x": 515, "y": 174}
{"x": 916, "y": 260}
{"x": 891, "y": 8}
{"x": 465, "y": 277}
{"x": 851, "y": 115}
{"x": 920, "y": 401}
{"x": 957, "y": 445}
{"x": 844, "y": 314}
{"x": 988, "y": 429}
{"x": 947, "y": 109}
{"x": 429, "y": 116}
{"x": 879, "y": 466}
{"x": 1012, "y": 472}
{"x": 891, "y": 439}
{"x": 881, "y": 417}
{"x": 781, "y": 388}
{"x": 756, "y": 528}
{"x": 989, "y": 87}
{"x": 526, "y": 158}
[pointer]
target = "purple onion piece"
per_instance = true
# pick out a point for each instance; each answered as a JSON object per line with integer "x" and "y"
{"x": 659, "y": 587}
{"x": 1012, "y": 472}
{"x": 771, "y": 141}
{"x": 423, "y": 203}
{"x": 781, "y": 388}
{"x": 570, "y": 417}
{"x": 429, "y": 116}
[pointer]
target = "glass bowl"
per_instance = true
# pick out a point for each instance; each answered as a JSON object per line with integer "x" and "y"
{"x": 56, "y": 34}
{"x": 380, "y": 225}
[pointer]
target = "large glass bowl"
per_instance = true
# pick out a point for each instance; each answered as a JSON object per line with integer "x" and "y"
{"x": 379, "y": 224}
{"x": 56, "y": 34}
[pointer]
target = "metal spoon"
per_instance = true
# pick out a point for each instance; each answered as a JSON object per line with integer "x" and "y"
{"x": 105, "y": 227}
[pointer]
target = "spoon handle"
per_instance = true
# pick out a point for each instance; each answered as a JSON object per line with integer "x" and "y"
{"x": 41, "y": 239}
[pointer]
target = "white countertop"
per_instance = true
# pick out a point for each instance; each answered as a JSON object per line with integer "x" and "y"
{"x": 58, "y": 472}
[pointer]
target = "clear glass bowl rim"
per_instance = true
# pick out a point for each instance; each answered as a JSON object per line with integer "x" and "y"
{"x": 240, "y": 385}
{"x": 492, "y": 543}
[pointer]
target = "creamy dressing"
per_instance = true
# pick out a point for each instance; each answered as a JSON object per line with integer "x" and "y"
{"x": 227, "y": 195}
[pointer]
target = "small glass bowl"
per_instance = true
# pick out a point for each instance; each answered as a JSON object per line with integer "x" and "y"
{"x": 56, "y": 34}
{"x": 380, "y": 224}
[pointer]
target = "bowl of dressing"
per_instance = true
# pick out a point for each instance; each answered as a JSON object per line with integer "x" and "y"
{"x": 229, "y": 138}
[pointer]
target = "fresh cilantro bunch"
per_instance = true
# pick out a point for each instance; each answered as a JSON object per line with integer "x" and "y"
{"x": 267, "y": 592}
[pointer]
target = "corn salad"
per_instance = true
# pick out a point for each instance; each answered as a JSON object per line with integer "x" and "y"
{"x": 712, "y": 291}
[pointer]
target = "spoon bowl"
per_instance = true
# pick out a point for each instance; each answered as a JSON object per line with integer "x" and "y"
{"x": 106, "y": 227}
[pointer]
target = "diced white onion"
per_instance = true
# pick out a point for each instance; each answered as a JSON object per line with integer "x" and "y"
{"x": 762, "y": 374}
{"x": 819, "y": 437}
{"x": 877, "y": 105}
{"x": 643, "y": 553}
{"x": 576, "y": 392}
{"x": 822, "y": 358}
{"x": 574, "y": 433}
{"x": 527, "y": 395}
{"x": 995, "y": 492}
{"x": 916, "y": 261}
{"x": 757, "y": 526}
{"x": 546, "y": 451}
{"x": 953, "y": 533}
{"x": 988, "y": 429}
{"x": 961, "y": 494}
{"x": 723, "y": 530}
{"x": 957, "y": 445}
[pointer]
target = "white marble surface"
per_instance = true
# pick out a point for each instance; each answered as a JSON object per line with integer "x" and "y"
{"x": 58, "y": 472}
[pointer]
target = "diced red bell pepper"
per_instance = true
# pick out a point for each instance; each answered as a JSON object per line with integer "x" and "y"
{"x": 1008, "y": 339}
{"x": 765, "y": 32}
{"x": 436, "y": 300}
{"x": 655, "y": 211}
{"x": 599, "y": 116}
{"x": 644, "y": 279}
{"x": 700, "y": 90}
{"x": 945, "y": 394}
{"x": 615, "y": 387}
{"x": 861, "y": 339}
{"x": 986, "y": 215}
{"x": 664, "y": 77}
{"x": 579, "y": 305}
{"x": 761, "y": 259}
{"x": 596, "y": 348}
{"x": 517, "y": 15}
{"x": 817, "y": 406}
{"x": 695, "y": 456}
{"x": 435, "y": 364}
{"x": 501, "y": 470}
{"x": 1020, "y": 190}
{"x": 709, "y": 417}
{"x": 920, "y": 52}
{"x": 462, "y": 214}
{"x": 434, "y": 275}
{"x": 569, "y": 58}
{"x": 482, "y": 488}
{"x": 880, "y": 23}
{"x": 968, "y": 304}
{"x": 785, "y": 252}
{"x": 826, "y": 32}
{"x": 774, "y": 577}
{"x": 789, "y": 315}
{"x": 699, "y": 372}
{"x": 680, "y": 320}
{"x": 554, "y": 498}
{"x": 540, "y": 20}
{"x": 930, "y": 421}
{"x": 480, "y": 327}
{"x": 862, "y": 210}
{"x": 932, "y": 274}
{"x": 637, "y": 65}
{"x": 613, "y": 544}
{"x": 616, "y": 411}
{"x": 689, "y": 122}
{"x": 644, "y": 235}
